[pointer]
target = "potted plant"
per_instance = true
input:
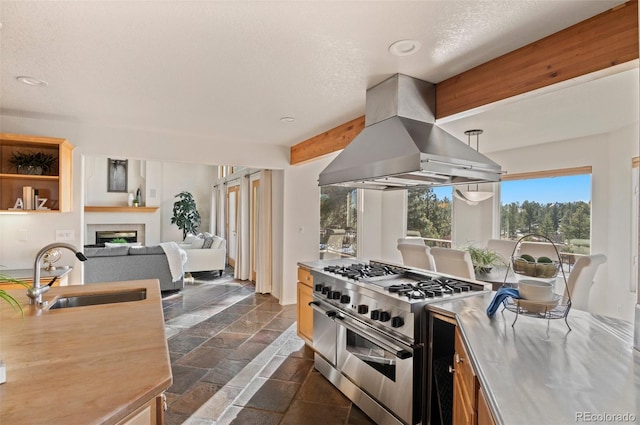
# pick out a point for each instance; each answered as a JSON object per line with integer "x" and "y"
{"x": 185, "y": 214}
{"x": 4, "y": 295}
{"x": 32, "y": 162}
{"x": 484, "y": 259}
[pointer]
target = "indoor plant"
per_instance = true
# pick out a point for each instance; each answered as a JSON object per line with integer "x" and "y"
{"x": 484, "y": 259}
{"x": 8, "y": 297}
{"x": 185, "y": 214}
{"x": 32, "y": 162}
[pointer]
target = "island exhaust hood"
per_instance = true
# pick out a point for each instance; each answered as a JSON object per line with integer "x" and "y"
{"x": 401, "y": 147}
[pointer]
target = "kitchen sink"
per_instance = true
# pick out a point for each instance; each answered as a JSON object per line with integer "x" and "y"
{"x": 97, "y": 299}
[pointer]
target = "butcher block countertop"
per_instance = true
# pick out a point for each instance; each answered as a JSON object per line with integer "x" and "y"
{"x": 83, "y": 365}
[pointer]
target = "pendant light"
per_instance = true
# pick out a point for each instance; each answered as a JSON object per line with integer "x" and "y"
{"x": 472, "y": 197}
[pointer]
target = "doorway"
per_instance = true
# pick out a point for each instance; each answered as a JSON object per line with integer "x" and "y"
{"x": 232, "y": 223}
{"x": 255, "y": 208}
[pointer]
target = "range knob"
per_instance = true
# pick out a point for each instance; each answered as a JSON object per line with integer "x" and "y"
{"x": 325, "y": 290}
{"x": 363, "y": 309}
{"x": 345, "y": 299}
{"x": 318, "y": 287}
{"x": 375, "y": 314}
{"x": 397, "y": 322}
{"x": 334, "y": 295}
{"x": 385, "y": 316}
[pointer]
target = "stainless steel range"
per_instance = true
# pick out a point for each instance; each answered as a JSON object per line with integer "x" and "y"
{"x": 369, "y": 333}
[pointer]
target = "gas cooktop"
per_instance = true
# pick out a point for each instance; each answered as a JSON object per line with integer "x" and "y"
{"x": 403, "y": 283}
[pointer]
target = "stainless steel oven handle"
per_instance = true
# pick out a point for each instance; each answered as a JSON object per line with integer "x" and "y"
{"x": 399, "y": 352}
{"x": 316, "y": 306}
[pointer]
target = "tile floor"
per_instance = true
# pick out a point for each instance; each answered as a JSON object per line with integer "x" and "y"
{"x": 236, "y": 359}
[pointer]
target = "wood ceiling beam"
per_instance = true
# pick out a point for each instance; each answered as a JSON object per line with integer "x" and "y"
{"x": 330, "y": 141}
{"x": 605, "y": 40}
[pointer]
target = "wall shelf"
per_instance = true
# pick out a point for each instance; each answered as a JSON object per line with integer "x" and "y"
{"x": 118, "y": 209}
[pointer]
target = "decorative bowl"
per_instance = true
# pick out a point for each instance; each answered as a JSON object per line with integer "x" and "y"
{"x": 535, "y": 290}
{"x": 535, "y": 269}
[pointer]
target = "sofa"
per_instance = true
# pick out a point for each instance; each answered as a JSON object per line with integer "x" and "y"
{"x": 130, "y": 263}
{"x": 205, "y": 252}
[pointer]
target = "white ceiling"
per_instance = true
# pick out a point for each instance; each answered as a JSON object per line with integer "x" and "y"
{"x": 227, "y": 71}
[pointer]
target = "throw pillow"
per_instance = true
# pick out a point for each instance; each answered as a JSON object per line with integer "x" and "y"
{"x": 197, "y": 244}
{"x": 207, "y": 243}
{"x": 218, "y": 243}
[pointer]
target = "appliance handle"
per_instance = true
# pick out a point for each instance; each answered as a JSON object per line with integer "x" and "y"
{"x": 374, "y": 359}
{"x": 316, "y": 306}
{"x": 398, "y": 351}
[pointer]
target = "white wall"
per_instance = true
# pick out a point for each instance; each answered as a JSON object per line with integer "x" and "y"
{"x": 473, "y": 223}
{"x": 177, "y": 177}
{"x": 301, "y": 221}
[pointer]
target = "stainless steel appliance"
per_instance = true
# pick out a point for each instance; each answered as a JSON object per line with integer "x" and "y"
{"x": 402, "y": 147}
{"x": 369, "y": 333}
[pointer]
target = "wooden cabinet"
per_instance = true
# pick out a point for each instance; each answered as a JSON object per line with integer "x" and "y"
{"x": 484, "y": 413}
{"x": 465, "y": 385}
{"x": 55, "y": 184}
{"x": 152, "y": 413}
{"x": 305, "y": 313}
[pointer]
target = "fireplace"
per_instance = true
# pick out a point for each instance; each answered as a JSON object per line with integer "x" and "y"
{"x": 103, "y": 236}
{"x": 93, "y": 231}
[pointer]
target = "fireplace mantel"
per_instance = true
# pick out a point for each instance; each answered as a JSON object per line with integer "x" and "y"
{"x": 119, "y": 209}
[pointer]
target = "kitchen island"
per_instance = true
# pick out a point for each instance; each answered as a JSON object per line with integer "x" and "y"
{"x": 97, "y": 364}
{"x": 539, "y": 372}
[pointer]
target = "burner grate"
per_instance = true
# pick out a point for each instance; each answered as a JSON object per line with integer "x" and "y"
{"x": 362, "y": 271}
{"x": 432, "y": 288}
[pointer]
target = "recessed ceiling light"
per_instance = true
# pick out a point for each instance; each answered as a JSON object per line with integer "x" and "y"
{"x": 404, "y": 47}
{"x": 31, "y": 81}
{"x": 287, "y": 119}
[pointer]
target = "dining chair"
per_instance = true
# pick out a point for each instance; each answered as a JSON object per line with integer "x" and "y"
{"x": 581, "y": 279}
{"x": 538, "y": 249}
{"x": 412, "y": 240}
{"x": 454, "y": 262}
{"x": 503, "y": 247}
{"x": 415, "y": 255}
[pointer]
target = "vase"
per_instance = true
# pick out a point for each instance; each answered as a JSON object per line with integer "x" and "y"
{"x": 29, "y": 169}
{"x": 130, "y": 199}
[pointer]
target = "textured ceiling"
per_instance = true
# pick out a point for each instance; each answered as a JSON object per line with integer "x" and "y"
{"x": 227, "y": 71}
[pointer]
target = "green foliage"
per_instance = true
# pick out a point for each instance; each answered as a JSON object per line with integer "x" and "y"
{"x": 118, "y": 240}
{"x": 560, "y": 221}
{"x": 9, "y": 298}
{"x": 43, "y": 160}
{"x": 428, "y": 215}
{"x": 185, "y": 214}
{"x": 338, "y": 208}
{"x": 483, "y": 259}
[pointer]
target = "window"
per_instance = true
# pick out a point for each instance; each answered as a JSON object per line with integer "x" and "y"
{"x": 429, "y": 214}
{"x": 555, "y": 204}
{"x": 338, "y": 222}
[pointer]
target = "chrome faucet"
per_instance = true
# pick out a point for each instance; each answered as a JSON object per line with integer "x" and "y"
{"x": 36, "y": 291}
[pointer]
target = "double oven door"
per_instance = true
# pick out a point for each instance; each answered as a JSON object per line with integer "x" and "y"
{"x": 378, "y": 364}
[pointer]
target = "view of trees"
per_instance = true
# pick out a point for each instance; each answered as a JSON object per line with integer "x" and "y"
{"x": 338, "y": 210}
{"x": 428, "y": 214}
{"x": 566, "y": 223}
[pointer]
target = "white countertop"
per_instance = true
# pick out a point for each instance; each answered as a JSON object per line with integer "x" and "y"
{"x": 539, "y": 372}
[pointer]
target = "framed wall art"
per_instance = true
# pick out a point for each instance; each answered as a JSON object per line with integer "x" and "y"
{"x": 117, "y": 179}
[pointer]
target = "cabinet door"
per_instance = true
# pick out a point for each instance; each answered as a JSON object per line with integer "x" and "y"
{"x": 462, "y": 411}
{"x": 305, "y": 313}
{"x": 484, "y": 414}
